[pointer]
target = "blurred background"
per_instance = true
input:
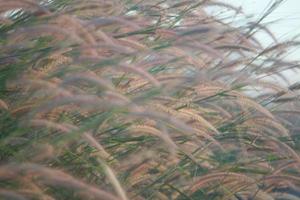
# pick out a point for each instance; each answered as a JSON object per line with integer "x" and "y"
{"x": 283, "y": 21}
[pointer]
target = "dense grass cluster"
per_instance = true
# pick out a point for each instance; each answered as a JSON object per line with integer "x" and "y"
{"x": 133, "y": 99}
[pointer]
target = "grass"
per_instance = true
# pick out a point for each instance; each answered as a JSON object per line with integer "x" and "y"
{"x": 120, "y": 100}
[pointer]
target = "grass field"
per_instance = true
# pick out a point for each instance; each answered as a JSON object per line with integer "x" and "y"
{"x": 144, "y": 100}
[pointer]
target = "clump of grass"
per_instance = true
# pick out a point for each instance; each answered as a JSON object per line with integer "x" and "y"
{"x": 143, "y": 100}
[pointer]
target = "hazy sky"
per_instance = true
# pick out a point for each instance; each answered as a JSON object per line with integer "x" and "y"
{"x": 288, "y": 14}
{"x": 286, "y": 18}
{"x": 286, "y": 26}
